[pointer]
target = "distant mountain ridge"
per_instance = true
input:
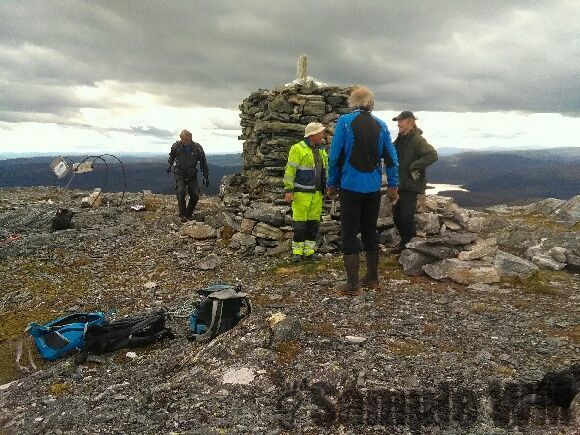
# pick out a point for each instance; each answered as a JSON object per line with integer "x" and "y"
{"x": 510, "y": 176}
{"x": 142, "y": 172}
{"x": 515, "y": 177}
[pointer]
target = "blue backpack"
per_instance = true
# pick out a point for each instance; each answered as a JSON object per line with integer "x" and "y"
{"x": 60, "y": 337}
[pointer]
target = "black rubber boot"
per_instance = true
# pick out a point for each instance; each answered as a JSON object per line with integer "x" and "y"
{"x": 352, "y": 285}
{"x": 371, "y": 278}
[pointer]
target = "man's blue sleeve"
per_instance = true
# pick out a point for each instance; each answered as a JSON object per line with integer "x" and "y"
{"x": 336, "y": 149}
{"x": 390, "y": 151}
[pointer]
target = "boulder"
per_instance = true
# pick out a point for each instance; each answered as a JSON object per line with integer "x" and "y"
{"x": 208, "y": 263}
{"x": 265, "y": 213}
{"x": 287, "y": 329}
{"x": 247, "y": 225}
{"x": 508, "y": 265}
{"x": 198, "y": 231}
{"x": 478, "y": 224}
{"x": 544, "y": 261}
{"x": 461, "y": 216}
{"x": 545, "y": 206}
{"x": 450, "y": 224}
{"x": 558, "y": 254}
{"x": 573, "y": 262}
{"x": 215, "y": 220}
{"x": 384, "y": 223}
{"x": 463, "y": 272}
{"x": 266, "y": 231}
{"x": 412, "y": 261}
{"x": 479, "y": 249}
{"x": 433, "y": 250}
{"x": 453, "y": 239}
{"x": 244, "y": 239}
{"x": 282, "y": 248}
{"x": 428, "y": 223}
{"x": 276, "y": 126}
{"x": 534, "y": 250}
{"x": 569, "y": 211}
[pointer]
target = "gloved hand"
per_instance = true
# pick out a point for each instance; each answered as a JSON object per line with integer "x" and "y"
{"x": 415, "y": 174}
{"x": 168, "y": 169}
{"x": 206, "y": 182}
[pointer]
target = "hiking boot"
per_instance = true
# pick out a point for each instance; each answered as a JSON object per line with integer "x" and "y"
{"x": 312, "y": 257}
{"x": 371, "y": 278}
{"x": 296, "y": 258}
{"x": 182, "y": 218}
{"x": 352, "y": 285}
{"x": 189, "y": 218}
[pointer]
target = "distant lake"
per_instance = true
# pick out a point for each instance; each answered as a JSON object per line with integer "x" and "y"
{"x": 435, "y": 189}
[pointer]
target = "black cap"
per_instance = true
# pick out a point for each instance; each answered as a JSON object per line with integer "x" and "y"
{"x": 404, "y": 115}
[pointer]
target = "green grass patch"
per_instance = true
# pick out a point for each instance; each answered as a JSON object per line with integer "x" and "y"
{"x": 538, "y": 220}
{"x": 543, "y": 282}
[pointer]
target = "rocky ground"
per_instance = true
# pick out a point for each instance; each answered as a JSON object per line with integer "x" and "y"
{"x": 413, "y": 356}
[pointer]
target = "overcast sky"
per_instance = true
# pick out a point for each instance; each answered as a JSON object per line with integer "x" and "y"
{"x": 118, "y": 76}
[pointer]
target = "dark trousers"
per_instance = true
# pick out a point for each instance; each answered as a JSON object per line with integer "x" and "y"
{"x": 305, "y": 230}
{"x": 404, "y": 215}
{"x": 189, "y": 184}
{"x": 359, "y": 213}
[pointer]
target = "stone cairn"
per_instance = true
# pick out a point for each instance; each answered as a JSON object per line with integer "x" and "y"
{"x": 251, "y": 218}
{"x": 272, "y": 121}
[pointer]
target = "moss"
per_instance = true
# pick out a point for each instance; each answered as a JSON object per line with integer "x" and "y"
{"x": 538, "y": 220}
{"x": 307, "y": 268}
{"x": 287, "y": 351}
{"x": 406, "y": 347}
{"x": 544, "y": 282}
{"x": 59, "y": 389}
{"x": 480, "y": 308}
{"x": 431, "y": 328}
{"x": 325, "y": 329}
{"x": 389, "y": 268}
{"x": 13, "y": 325}
{"x": 505, "y": 371}
{"x": 572, "y": 334}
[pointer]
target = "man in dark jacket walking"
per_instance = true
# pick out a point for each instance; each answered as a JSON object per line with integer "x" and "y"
{"x": 186, "y": 154}
{"x": 414, "y": 154}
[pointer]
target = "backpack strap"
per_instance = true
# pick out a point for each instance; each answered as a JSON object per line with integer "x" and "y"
{"x": 248, "y": 304}
{"x": 24, "y": 342}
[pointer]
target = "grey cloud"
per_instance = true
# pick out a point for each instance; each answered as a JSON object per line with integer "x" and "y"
{"x": 456, "y": 56}
{"x": 146, "y": 131}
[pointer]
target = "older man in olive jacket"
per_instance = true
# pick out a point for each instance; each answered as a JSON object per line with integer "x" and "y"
{"x": 414, "y": 154}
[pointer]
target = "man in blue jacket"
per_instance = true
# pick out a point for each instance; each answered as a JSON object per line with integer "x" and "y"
{"x": 360, "y": 144}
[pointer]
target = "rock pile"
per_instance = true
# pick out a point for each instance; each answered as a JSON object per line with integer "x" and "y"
{"x": 272, "y": 121}
{"x": 454, "y": 243}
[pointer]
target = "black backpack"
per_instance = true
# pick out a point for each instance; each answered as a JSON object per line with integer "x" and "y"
{"x": 130, "y": 332}
{"x": 222, "y": 307}
{"x": 62, "y": 219}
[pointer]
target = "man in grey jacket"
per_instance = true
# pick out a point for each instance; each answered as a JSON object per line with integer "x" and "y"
{"x": 414, "y": 154}
{"x": 186, "y": 154}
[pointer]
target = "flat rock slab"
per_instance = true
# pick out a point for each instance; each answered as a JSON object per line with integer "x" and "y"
{"x": 453, "y": 239}
{"x": 198, "y": 231}
{"x": 508, "y": 265}
{"x": 437, "y": 251}
{"x": 463, "y": 272}
{"x": 544, "y": 261}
